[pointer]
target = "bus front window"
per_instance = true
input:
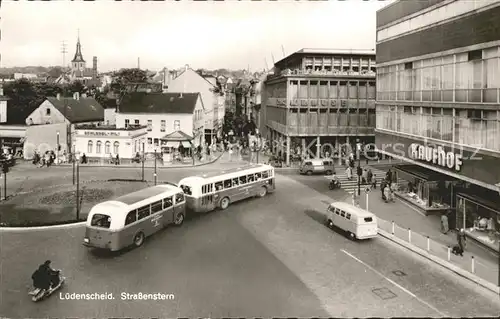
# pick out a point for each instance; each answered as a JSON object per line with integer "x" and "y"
{"x": 100, "y": 220}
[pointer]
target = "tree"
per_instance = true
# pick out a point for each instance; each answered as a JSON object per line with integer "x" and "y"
{"x": 55, "y": 72}
{"x": 75, "y": 87}
{"x": 24, "y": 99}
{"x": 127, "y": 76}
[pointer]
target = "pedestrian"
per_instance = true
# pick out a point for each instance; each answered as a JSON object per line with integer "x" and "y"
{"x": 117, "y": 160}
{"x": 444, "y": 224}
{"x": 348, "y": 172}
{"x": 374, "y": 181}
{"x": 461, "y": 240}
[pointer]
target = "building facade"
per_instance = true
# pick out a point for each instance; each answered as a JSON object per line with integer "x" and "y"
{"x": 163, "y": 114}
{"x": 106, "y": 142}
{"x": 189, "y": 81}
{"x": 438, "y": 107}
{"x": 320, "y": 97}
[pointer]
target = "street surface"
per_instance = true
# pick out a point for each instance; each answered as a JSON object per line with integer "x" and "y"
{"x": 259, "y": 258}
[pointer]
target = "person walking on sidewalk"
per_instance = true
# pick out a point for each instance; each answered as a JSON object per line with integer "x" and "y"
{"x": 461, "y": 239}
{"x": 444, "y": 224}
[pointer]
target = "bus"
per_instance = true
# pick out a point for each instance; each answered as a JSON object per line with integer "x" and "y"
{"x": 217, "y": 190}
{"x": 129, "y": 219}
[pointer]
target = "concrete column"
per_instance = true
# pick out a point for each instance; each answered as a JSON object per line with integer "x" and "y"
{"x": 318, "y": 146}
{"x": 288, "y": 151}
{"x": 304, "y": 153}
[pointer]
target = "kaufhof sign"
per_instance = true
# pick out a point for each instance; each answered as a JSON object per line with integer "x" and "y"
{"x": 436, "y": 155}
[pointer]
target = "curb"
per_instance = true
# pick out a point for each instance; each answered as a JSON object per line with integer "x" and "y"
{"x": 443, "y": 263}
{"x": 139, "y": 166}
{"x": 40, "y": 228}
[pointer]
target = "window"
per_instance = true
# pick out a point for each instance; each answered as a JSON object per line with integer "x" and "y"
{"x": 100, "y": 220}
{"x": 150, "y": 125}
{"x": 107, "y": 147}
{"x": 163, "y": 125}
{"x": 143, "y": 212}
{"x": 250, "y": 178}
{"x": 348, "y": 216}
{"x": 156, "y": 142}
{"x": 368, "y": 219}
{"x": 131, "y": 217}
{"x": 227, "y": 183}
{"x": 343, "y": 90}
{"x": 333, "y": 90}
{"x": 294, "y": 90}
{"x": 127, "y": 123}
{"x": 47, "y": 112}
{"x": 313, "y": 90}
{"x": 265, "y": 175}
{"x": 150, "y": 141}
{"x": 342, "y": 213}
{"x": 156, "y": 207}
{"x": 243, "y": 179}
{"x": 206, "y": 188}
{"x": 337, "y": 211}
{"x": 90, "y": 146}
{"x": 98, "y": 147}
{"x": 303, "y": 90}
{"x": 177, "y": 125}
{"x": 258, "y": 176}
{"x": 371, "y": 90}
{"x": 323, "y": 90}
{"x": 353, "y": 90}
{"x": 187, "y": 190}
{"x": 167, "y": 202}
{"x": 116, "y": 147}
{"x": 136, "y": 122}
{"x": 236, "y": 181}
{"x": 218, "y": 186}
{"x": 179, "y": 198}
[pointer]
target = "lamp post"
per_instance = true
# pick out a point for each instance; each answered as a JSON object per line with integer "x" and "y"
{"x": 77, "y": 159}
{"x": 57, "y": 148}
{"x": 155, "y": 168}
{"x": 498, "y": 188}
{"x": 359, "y": 172}
{"x": 143, "y": 159}
{"x": 73, "y": 157}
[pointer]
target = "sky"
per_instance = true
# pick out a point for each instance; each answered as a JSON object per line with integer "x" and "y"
{"x": 209, "y": 35}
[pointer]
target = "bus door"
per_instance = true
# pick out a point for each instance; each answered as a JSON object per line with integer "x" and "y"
{"x": 179, "y": 204}
{"x": 168, "y": 210}
{"x": 207, "y": 203}
{"x": 159, "y": 218}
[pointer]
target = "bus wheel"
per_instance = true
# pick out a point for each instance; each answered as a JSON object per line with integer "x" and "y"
{"x": 352, "y": 236}
{"x": 179, "y": 219}
{"x": 224, "y": 203}
{"x": 139, "y": 239}
{"x": 263, "y": 191}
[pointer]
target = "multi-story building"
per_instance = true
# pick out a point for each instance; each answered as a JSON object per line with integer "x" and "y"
{"x": 163, "y": 114}
{"x": 438, "y": 107}
{"x": 320, "y": 97}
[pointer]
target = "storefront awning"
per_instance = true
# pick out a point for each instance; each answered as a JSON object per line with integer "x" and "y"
{"x": 186, "y": 144}
{"x": 423, "y": 173}
{"x": 172, "y": 144}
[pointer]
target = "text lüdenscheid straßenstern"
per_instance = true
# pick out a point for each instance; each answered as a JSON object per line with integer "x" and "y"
{"x": 110, "y": 296}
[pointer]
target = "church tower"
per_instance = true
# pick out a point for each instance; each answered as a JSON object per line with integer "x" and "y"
{"x": 78, "y": 63}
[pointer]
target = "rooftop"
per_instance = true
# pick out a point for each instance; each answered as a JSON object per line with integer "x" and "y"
{"x": 83, "y": 109}
{"x": 159, "y": 103}
{"x": 109, "y": 127}
{"x": 329, "y": 52}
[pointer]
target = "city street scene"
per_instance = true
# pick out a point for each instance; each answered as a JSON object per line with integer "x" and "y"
{"x": 223, "y": 159}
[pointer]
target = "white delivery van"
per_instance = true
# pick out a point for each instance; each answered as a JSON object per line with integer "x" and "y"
{"x": 356, "y": 222}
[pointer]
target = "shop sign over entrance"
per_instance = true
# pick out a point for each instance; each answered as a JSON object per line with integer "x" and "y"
{"x": 101, "y": 133}
{"x": 436, "y": 155}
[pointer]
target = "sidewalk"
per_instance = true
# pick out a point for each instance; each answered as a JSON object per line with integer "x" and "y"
{"x": 147, "y": 164}
{"x": 405, "y": 217}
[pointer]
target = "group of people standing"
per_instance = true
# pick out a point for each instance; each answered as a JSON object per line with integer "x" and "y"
{"x": 46, "y": 160}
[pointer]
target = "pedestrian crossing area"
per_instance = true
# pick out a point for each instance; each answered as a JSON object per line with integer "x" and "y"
{"x": 351, "y": 185}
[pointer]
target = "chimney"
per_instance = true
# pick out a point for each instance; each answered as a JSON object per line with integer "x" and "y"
{"x": 186, "y": 67}
{"x": 58, "y": 96}
{"x": 94, "y": 68}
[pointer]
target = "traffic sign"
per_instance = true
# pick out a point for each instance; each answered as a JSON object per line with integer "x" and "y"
{"x": 367, "y": 189}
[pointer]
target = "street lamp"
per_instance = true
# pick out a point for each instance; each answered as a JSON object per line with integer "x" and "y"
{"x": 77, "y": 160}
{"x": 73, "y": 159}
{"x": 498, "y": 188}
{"x": 143, "y": 159}
{"x": 57, "y": 148}
{"x": 155, "y": 167}
{"x": 359, "y": 171}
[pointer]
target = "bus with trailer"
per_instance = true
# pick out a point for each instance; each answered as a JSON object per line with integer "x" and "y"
{"x": 129, "y": 219}
{"x": 217, "y": 190}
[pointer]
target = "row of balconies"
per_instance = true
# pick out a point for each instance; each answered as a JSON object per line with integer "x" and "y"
{"x": 330, "y": 130}
{"x": 319, "y": 102}
{"x": 299, "y": 72}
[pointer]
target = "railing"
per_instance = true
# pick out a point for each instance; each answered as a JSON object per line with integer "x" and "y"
{"x": 289, "y": 72}
{"x": 467, "y": 262}
{"x": 445, "y": 95}
{"x": 331, "y": 130}
{"x": 322, "y": 102}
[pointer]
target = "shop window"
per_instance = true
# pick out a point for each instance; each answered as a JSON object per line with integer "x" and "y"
{"x": 116, "y": 147}
{"x": 107, "y": 147}
{"x": 90, "y": 147}
{"x": 98, "y": 147}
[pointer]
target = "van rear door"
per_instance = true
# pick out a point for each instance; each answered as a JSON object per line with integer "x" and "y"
{"x": 367, "y": 227}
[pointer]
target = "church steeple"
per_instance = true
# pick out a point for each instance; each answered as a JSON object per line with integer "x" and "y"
{"x": 78, "y": 54}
